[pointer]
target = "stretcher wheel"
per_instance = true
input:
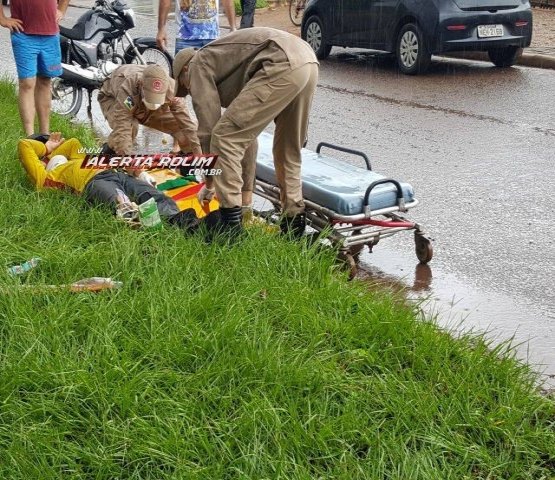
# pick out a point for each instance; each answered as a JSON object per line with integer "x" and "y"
{"x": 356, "y": 250}
{"x": 349, "y": 262}
{"x": 423, "y": 247}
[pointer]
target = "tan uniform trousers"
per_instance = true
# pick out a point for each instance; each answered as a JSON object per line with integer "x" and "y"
{"x": 287, "y": 101}
{"x": 248, "y": 167}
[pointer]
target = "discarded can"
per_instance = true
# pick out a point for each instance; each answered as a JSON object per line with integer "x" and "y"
{"x": 24, "y": 267}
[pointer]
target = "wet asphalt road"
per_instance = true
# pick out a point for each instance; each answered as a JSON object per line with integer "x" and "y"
{"x": 478, "y": 145}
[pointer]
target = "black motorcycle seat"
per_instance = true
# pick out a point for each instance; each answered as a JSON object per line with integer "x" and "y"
{"x": 75, "y": 33}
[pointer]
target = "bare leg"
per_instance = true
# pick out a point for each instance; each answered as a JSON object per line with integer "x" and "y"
{"x": 246, "y": 206}
{"x": 43, "y": 101}
{"x": 246, "y": 197}
{"x": 26, "y": 102}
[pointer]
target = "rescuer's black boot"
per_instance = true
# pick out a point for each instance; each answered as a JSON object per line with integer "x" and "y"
{"x": 229, "y": 227}
{"x": 294, "y": 226}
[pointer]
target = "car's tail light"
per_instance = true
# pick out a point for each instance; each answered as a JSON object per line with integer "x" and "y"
{"x": 521, "y": 23}
{"x": 454, "y": 28}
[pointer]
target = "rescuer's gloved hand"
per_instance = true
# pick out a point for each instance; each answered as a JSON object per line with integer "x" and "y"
{"x": 146, "y": 177}
{"x": 206, "y": 194}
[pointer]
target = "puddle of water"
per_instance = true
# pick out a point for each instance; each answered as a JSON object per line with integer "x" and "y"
{"x": 460, "y": 307}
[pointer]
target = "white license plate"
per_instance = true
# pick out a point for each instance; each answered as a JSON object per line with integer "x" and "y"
{"x": 485, "y": 31}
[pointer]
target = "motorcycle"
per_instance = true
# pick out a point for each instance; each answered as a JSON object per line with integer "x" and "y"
{"x": 96, "y": 45}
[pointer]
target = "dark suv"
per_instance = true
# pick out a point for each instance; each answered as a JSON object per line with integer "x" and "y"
{"x": 414, "y": 30}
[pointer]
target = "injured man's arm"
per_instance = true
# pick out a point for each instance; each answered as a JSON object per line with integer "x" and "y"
{"x": 53, "y": 162}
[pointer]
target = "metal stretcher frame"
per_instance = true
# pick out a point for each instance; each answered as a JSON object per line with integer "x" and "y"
{"x": 350, "y": 233}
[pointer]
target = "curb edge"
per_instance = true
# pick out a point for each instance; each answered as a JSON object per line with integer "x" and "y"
{"x": 535, "y": 60}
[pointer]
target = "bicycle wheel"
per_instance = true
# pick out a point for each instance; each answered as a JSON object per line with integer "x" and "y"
{"x": 296, "y": 9}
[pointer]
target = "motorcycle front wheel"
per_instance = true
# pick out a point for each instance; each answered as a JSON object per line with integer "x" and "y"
{"x": 154, "y": 56}
{"x": 66, "y": 98}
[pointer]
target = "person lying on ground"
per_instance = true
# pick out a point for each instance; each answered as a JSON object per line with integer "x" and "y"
{"x": 143, "y": 94}
{"x": 57, "y": 163}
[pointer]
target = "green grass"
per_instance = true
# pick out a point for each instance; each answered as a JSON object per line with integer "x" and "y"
{"x": 257, "y": 361}
{"x": 259, "y": 4}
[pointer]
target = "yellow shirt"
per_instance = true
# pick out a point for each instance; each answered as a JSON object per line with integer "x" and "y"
{"x": 69, "y": 174}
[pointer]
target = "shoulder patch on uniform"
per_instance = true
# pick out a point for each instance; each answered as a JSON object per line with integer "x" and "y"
{"x": 128, "y": 102}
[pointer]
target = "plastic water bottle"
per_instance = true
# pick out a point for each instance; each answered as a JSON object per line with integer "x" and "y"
{"x": 24, "y": 267}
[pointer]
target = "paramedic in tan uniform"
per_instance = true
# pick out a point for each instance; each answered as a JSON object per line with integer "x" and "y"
{"x": 259, "y": 75}
{"x": 145, "y": 94}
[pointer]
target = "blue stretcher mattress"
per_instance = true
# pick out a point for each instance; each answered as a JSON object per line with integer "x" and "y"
{"x": 332, "y": 183}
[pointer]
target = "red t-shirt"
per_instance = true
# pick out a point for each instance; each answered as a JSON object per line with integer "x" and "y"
{"x": 38, "y": 16}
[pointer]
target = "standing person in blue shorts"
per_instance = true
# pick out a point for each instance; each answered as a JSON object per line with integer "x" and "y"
{"x": 36, "y": 49}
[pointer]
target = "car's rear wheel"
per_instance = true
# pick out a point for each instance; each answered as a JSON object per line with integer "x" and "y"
{"x": 313, "y": 33}
{"x": 412, "y": 53}
{"x": 504, "y": 57}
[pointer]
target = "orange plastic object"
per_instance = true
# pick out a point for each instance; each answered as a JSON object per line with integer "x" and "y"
{"x": 94, "y": 284}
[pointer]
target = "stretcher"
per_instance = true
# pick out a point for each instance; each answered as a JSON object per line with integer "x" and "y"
{"x": 352, "y": 206}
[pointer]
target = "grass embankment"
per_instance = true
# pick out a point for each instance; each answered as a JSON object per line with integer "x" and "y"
{"x": 248, "y": 362}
